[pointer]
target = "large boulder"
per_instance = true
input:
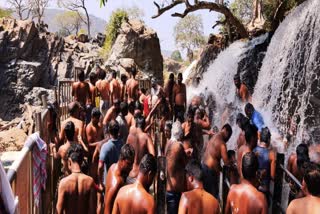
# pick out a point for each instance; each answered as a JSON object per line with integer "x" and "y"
{"x": 141, "y": 44}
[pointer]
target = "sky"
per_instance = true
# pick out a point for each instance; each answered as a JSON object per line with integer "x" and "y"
{"x": 163, "y": 25}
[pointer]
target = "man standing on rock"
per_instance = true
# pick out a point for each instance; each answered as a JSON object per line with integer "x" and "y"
{"x": 179, "y": 97}
{"x": 215, "y": 151}
{"x": 242, "y": 90}
{"x": 136, "y": 196}
{"x": 104, "y": 90}
{"x": 133, "y": 86}
{"x": 115, "y": 88}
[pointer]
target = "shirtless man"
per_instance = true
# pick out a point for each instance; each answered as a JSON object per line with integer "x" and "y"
{"x": 117, "y": 175}
{"x": 104, "y": 90}
{"x": 296, "y": 165}
{"x": 244, "y": 198}
{"x": 133, "y": 86}
{"x": 114, "y": 88}
{"x": 176, "y": 162}
{"x": 93, "y": 89}
{"x": 168, "y": 89}
{"x": 196, "y": 200}
{"x": 143, "y": 145}
{"x": 76, "y": 193}
{"x": 311, "y": 188}
{"x": 81, "y": 94}
{"x": 242, "y": 122}
{"x": 123, "y": 125}
{"x": 136, "y": 195}
{"x": 215, "y": 151}
{"x": 74, "y": 109}
{"x": 123, "y": 91}
{"x": 251, "y": 137}
{"x": 112, "y": 113}
{"x": 242, "y": 90}
{"x": 179, "y": 97}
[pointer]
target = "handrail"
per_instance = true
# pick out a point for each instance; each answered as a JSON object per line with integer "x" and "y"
{"x": 291, "y": 176}
{"x": 12, "y": 171}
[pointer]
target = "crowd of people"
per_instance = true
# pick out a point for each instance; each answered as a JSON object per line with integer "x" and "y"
{"x": 108, "y": 150}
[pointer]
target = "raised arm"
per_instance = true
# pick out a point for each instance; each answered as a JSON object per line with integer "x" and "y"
{"x": 224, "y": 154}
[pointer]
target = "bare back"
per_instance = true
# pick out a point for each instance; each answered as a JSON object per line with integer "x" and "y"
{"x": 115, "y": 90}
{"x": 104, "y": 89}
{"x": 81, "y": 92}
{"x": 132, "y": 90}
{"x": 76, "y": 192}
{"x": 309, "y": 205}
{"x": 180, "y": 94}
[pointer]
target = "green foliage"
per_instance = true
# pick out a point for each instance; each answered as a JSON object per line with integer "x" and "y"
{"x": 188, "y": 32}
{"x": 5, "y": 13}
{"x": 242, "y": 9}
{"x": 176, "y": 55}
{"x": 82, "y": 31}
{"x": 113, "y": 27}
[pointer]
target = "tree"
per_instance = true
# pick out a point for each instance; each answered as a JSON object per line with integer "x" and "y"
{"x": 176, "y": 55}
{"x": 69, "y": 22}
{"x": 77, "y": 6}
{"x": 5, "y": 13}
{"x": 21, "y": 7}
{"x": 188, "y": 34}
{"x": 242, "y": 9}
{"x": 112, "y": 29}
{"x": 134, "y": 12}
{"x": 37, "y": 9}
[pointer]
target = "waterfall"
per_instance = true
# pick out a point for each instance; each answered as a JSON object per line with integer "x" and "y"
{"x": 288, "y": 86}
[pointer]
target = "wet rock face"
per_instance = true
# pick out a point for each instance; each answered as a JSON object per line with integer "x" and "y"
{"x": 141, "y": 44}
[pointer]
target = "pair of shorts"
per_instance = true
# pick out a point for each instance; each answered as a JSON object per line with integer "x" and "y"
{"x": 104, "y": 106}
{"x": 173, "y": 200}
{"x": 210, "y": 181}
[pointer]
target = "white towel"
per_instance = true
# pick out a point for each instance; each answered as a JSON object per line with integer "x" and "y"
{"x": 6, "y": 193}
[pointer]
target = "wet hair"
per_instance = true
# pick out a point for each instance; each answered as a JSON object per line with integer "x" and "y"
{"x": 265, "y": 135}
{"x": 168, "y": 124}
{"x": 193, "y": 168}
{"x": 250, "y": 165}
{"x": 312, "y": 179}
{"x": 148, "y": 164}
{"x": 123, "y": 107}
{"x": 95, "y": 113}
{"x": 176, "y": 131}
{"x": 302, "y": 151}
{"x": 123, "y": 76}
{"x": 131, "y": 107}
{"x": 171, "y": 76}
{"x": 75, "y": 153}
{"x": 127, "y": 152}
{"x": 143, "y": 90}
{"x": 81, "y": 75}
{"x": 73, "y": 108}
{"x": 92, "y": 76}
{"x": 134, "y": 71}
{"x": 249, "y": 132}
{"x": 69, "y": 130}
{"x": 113, "y": 128}
{"x": 114, "y": 74}
{"x": 236, "y": 77}
{"x": 231, "y": 153}
{"x": 138, "y": 105}
{"x": 191, "y": 112}
{"x": 228, "y": 128}
{"x": 140, "y": 122}
{"x": 102, "y": 74}
{"x": 242, "y": 120}
{"x": 180, "y": 75}
{"x": 248, "y": 107}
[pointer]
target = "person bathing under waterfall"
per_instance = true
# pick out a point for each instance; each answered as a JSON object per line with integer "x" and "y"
{"x": 241, "y": 89}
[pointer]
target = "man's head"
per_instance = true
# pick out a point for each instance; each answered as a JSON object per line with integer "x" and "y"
{"x": 153, "y": 83}
{"x": 171, "y": 77}
{"x": 148, "y": 169}
{"x": 167, "y": 129}
{"x": 176, "y": 132}
{"x": 124, "y": 108}
{"x": 101, "y": 74}
{"x": 232, "y": 155}
{"x": 75, "y": 155}
{"x": 126, "y": 159}
{"x": 81, "y": 76}
{"x": 93, "y": 78}
{"x": 138, "y": 108}
{"x": 116, "y": 104}
{"x": 250, "y": 166}
{"x": 190, "y": 115}
{"x": 140, "y": 122}
{"x": 303, "y": 158}
{"x": 133, "y": 71}
{"x": 114, "y": 128}
{"x": 311, "y": 180}
{"x": 180, "y": 78}
{"x": 74, "y": 109}
{"x": 251, "y": 135}
{"x": 236, "y": 80}
{"x": 187, "y": 146}
{"x": 249, "y": 109}
{"x": 95, "y": 116}
{"x": 242, "y": 121}
{"x": 123, "y": 78}
{"x": 194, "y": 174}
{"x": 114, "y": 74}
{"x": 226, "y": 132}
{"x": 265, "y": 135}
{"x": 69, "y": 130}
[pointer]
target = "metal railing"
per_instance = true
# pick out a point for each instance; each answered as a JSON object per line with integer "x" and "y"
{"x": 64, "y": 97}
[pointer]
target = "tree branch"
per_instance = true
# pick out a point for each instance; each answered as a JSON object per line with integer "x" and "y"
{"x": 219, "y": 23}
{"x": 166, "y": 8}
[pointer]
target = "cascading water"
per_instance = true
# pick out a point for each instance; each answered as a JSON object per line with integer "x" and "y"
{"x": 288, "y": 86}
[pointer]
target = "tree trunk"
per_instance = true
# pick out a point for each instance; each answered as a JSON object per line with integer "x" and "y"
{"x": 190, "y": 55}
{"x": 88, "y": 21}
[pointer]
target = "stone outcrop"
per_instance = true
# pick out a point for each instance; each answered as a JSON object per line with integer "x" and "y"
{"x": 141, "y": 44}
